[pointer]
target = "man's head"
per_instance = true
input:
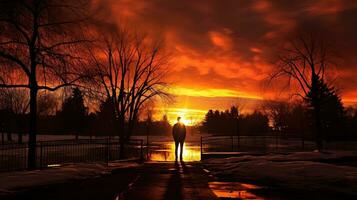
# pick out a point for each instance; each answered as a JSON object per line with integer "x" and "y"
{"x": 178, "y": 119}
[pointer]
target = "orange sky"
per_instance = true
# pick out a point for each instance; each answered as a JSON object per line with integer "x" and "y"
{"x": 222, "y": 51}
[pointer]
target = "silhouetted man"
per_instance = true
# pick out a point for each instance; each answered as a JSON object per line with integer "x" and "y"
{"x": 179, "y": 134}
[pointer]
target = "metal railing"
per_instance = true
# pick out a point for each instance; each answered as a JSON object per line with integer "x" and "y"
{"x": 50, "y": 153}
{"x": 13, "y": 157}
{"x": 253, "y": 143}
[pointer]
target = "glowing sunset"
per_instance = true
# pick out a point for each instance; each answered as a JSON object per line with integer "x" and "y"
{"x": 227, "y": 49}
{"x": 178, "y": 99}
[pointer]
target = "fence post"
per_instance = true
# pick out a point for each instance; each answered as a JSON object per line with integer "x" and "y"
{"x": 232, "y": 143}
{"x": 147, "y": 147}
{"x": 141, "y": 151}
{"x": 107, "y": 152}
{"x": 41, "y": 154}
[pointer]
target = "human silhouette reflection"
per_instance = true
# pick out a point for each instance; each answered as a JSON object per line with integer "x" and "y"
{"x": 175, "y": 187}
{"x": 179, "y": 135}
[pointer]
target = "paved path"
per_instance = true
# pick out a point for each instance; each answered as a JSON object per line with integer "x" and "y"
{"x": 151, "y": 181}
{"x": 170, "y": 181}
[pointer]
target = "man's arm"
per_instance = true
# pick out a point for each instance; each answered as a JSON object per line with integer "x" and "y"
{"x": 174, "y": 129}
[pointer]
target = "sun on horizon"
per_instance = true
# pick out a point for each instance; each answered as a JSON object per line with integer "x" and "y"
{"x": 184, "y": 113}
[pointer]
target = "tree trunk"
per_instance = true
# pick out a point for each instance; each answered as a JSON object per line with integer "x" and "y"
{"x": 147, "y": 139}
{"x": 319, "y": 143}
{"x": 122, "y": 148}
{"x": 122, "y": 153}
{"x": 121, "y": 129}
{"x": 31, "y": 164}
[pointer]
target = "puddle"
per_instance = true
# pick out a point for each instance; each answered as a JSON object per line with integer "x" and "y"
{"x": 234, "y": 190}
{"x": 165, "y": 151}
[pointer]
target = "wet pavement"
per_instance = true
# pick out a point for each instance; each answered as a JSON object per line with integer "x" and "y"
{"x": 234, "y": 190}
{"x": 169, "y": 180}
{"x": 153, "y": 180}
{"x": 165, "y": 181}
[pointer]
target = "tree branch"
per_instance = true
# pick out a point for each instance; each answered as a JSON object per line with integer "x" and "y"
{"x": 16, "y": 60}
{"x": 14, "y": 86}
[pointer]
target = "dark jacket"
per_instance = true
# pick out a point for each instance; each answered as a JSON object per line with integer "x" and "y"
{"x": 179, "y": 132}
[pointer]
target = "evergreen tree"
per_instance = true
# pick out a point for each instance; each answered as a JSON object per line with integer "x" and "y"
{"x": 74, "y": 112}
{"x": 104, "y": 122}
{"x": 165, "y": 124}
{"x": 331, "y": 111}
{"x": 230, "y": 122}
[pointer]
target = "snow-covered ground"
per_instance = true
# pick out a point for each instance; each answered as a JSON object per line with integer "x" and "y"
{"x": 17, "y": 181}
{"x": 301, "y": 170}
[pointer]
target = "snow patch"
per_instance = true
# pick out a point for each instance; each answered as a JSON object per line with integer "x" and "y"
{"x": 15, "y": 181}
{"x": 297, "y": 170}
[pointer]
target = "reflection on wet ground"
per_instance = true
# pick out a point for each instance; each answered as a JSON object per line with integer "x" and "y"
{"x": 171, "y": 181}
{"x": 165, "y": 151}
{"x": 239, "y": 190}
{"x": 234, "y": 190}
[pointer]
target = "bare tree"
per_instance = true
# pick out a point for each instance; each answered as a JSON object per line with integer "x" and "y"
{"x": 149, "y": 122}
{"x": 15, "y": 101}
{"x": 130, "y": 74}
{"x": 278, "y": 112}
{"x": 304, "y": 61}
{"x": 39, "y": 49}
{"x": 47, "y": 104}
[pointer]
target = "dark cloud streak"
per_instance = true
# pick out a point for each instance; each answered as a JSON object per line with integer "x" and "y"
{"x": 235, "y": 40}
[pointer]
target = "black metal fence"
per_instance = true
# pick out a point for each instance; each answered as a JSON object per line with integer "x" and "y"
{"x": 50, "y": 153}
{"x": 13, "y": 157}
{"x": 263, "y": 144}
{"x": 254, "y": 143}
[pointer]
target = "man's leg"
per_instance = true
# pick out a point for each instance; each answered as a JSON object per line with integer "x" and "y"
{"x": 176, "y": 147}
{"x": 181, "y": 149}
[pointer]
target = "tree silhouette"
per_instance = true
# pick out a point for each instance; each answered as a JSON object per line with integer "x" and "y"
{"x": 278, "y": 111}
{"x": 254, "y": 123}
{"x": 15, "y": 101}
{"x": 304, "y": 61}
{"x": 74, "y": 113}
{"x": 330, "y": 107}
{"x": 350, "y": 123}
{"x": 39, "y": 49}
{"x": 130, "y": 75}
{"x": 7, "y": 117}
{"x": 289, "y": 118}
{"x": 230, "y": 122}
{"x": 165, "y": 124}
{"x": 104, "y": 118}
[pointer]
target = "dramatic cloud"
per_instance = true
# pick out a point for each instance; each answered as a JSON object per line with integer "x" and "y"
{"x": 228, "y": 47}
